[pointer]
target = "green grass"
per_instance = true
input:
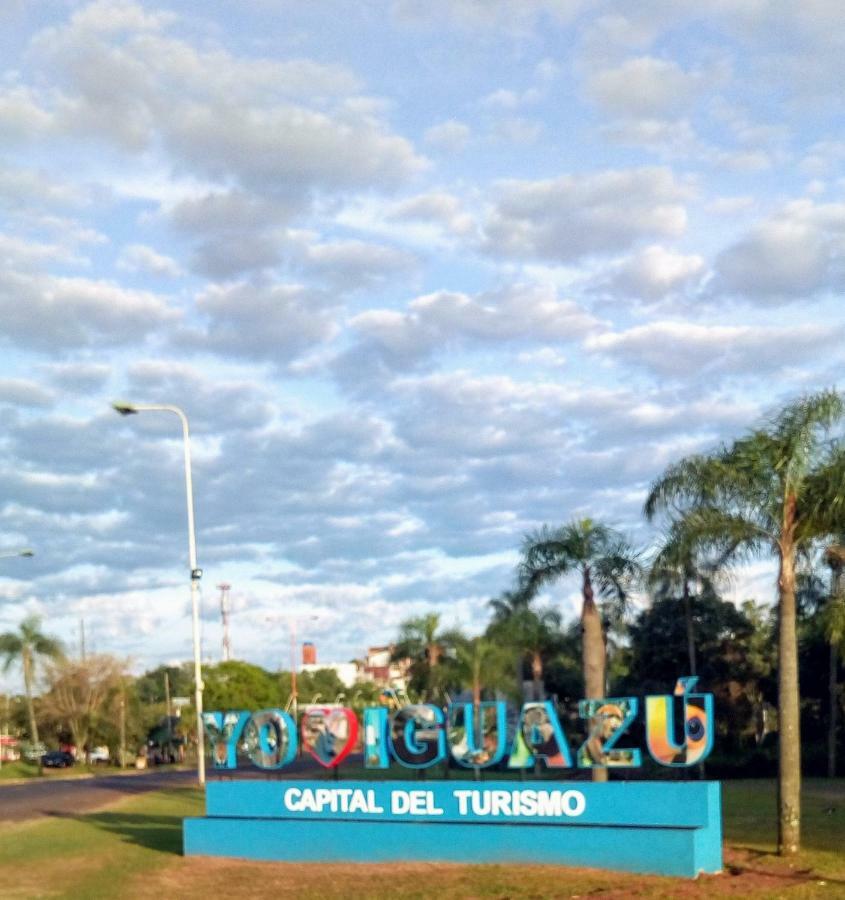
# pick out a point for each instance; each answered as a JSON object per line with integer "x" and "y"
{"x": 11, "y": 771}
{"x": 133, "y": 850}
{"x": 92, "y": 855}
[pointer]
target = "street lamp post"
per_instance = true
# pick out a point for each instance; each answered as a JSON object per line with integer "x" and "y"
{"x": 128, "y": 409}
{"x": 292, "y": 623}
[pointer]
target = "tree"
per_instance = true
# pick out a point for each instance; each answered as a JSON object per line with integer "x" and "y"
{"x": 674, "y": 571}
{"x": 731, "y": 664}
{"x": 83, "y": 694}
{"x": 240, "y": 685}
{"x": 421, "y": 641}
{"x": 772, "y": 491}
{"x": 533, "y": 634}
{"x": 28, "y": 645}
{"x": 481, "y": 663}
{"x": 605, "y": 561}
{"x": 834, "y": 629}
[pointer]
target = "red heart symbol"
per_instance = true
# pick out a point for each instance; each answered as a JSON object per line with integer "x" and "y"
{"x": 329, "y": 733}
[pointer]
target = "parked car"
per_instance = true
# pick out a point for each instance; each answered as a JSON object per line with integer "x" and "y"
{"x": 57, "y": 759}
{"x": 99, "y": 755}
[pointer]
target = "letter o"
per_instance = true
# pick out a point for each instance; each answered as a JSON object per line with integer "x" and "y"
{"x": 574, "y": 803}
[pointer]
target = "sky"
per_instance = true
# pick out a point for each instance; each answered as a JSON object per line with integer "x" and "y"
{"x": 423, "y": 277}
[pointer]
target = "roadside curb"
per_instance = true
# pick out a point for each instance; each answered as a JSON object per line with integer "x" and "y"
{"x": 84, "y": 776}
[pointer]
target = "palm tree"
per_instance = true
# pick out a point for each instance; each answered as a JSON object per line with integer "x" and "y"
{"x": 673, "y": 571}
{"x": 26, "y": 645}
{"x": 481, "y": 664}
{"x": 535, "y": 634}
{"x": 773, "y": 491}
{"x": 421, "y": 641}
{"x": 606, "y": 562}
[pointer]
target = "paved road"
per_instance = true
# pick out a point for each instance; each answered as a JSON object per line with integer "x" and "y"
{"x": 45, "y": 797}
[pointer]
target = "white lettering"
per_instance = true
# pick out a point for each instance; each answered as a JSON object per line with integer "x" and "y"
{"x": 528, "y": 802}
{"x": 549, "y": 803}
{"x": 292, "y": 797}
{"x": 308, "y": 802}
{"x": 481, "y": 803}
{"x": 371, "y": 803}
{"x": 400, "y": 803}
{"x": 358, "y": 802}
{"x": 501, "y": 805}
{"x": 463, "y": 798}
{"x": 574, "y": 803}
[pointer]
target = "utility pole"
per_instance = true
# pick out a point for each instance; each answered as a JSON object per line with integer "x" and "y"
{"x": 122, "y": 724}
{"x": 169, "y": 720}
{"x": 4, "y": 735}
{"x": 224, "y": 615}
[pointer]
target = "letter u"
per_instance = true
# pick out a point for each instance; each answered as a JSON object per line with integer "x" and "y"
{"x": 698, "y": 726}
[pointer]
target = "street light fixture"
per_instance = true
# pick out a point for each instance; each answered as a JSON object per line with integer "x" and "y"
{"x": 10, "y": 554}
{"x": 131, "y": 409}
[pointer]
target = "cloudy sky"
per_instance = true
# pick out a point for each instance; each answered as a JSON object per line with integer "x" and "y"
{"x": 423, "y": 275}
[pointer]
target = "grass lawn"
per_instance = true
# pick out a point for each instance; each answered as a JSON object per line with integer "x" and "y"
{"x": 133, "y": 850}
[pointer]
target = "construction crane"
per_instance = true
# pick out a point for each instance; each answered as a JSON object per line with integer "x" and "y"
{"x": 224, "y": 615}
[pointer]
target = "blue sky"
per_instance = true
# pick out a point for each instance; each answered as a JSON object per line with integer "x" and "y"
{"x": 423, "y": 276}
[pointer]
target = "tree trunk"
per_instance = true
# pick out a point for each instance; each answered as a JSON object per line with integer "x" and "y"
{"x": 690, "y": 630}
{"x": 789, "y": 723}
{"x": 26, "y": 665}
{"x": 834, "y": 710}
{"x": 537, "y": 676}
{"x": 593, "y": 653}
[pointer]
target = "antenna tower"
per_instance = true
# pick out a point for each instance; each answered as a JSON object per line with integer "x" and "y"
{"x": 224, "y": 615}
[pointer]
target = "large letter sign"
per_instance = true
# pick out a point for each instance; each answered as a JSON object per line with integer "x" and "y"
{"x": 664, "y": 827}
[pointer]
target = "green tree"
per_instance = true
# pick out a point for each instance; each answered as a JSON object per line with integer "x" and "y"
{"x": 833, "y": 621}
{"x": 772, "y": 491}
{"x": 239, "y": 685}
{"x": 27, "y": 646}
{"x": 605, "y": 562}
{"x": 481, "y": 663}
{"x": 534, "y": 635}
{"x": 430, "y": 651}
{"x": 676, "y": 572}
{"x": 82, "y": 694}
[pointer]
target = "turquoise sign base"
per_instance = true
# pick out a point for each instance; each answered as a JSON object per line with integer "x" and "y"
{"x": 667, "y": 828}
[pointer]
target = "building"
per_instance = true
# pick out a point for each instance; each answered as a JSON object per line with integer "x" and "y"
{"x": 380, "y": 668}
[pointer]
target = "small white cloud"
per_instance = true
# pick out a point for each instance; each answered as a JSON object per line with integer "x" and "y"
{"x": 796, "y": 253}
{"x": 643, "y": 87}
{"x": 451, "y": 136}
{"x": 655, "y": 271}
{"x": 140, "y": 258}
{"x": 570, "y": 217}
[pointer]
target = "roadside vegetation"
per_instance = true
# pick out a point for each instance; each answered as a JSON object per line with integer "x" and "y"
{"x": 646, "y": 616}
{"x": 133, "y": 850}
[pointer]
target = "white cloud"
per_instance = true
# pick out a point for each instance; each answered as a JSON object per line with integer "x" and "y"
{"x": 281, "y": 127}
{"x": 573, "y": 216}
{"x": 140, "y": 258}
{"x": 796, "y": 253}
{"x": 684, "y": 349}
{"x": 274, "y": 322}
{"x": 654, "y": 272}
{"x": 435, "y": 320}
{"x": 451, "y": 136}
{"x": 643, "y": 87}
{"x": 438, "y": 207}
{"x": 52, "y": 313}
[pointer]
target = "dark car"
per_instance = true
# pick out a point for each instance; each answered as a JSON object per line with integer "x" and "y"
{"x": 57, "y": 759}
